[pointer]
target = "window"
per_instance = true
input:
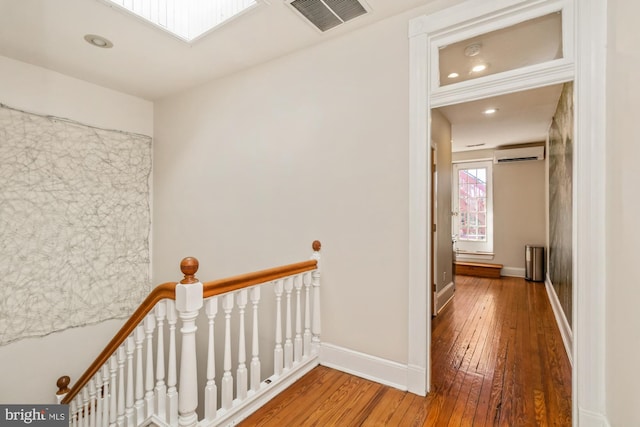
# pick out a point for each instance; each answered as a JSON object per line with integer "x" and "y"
{"x": 472, "y": 207}
{"x": 186, "y": 19}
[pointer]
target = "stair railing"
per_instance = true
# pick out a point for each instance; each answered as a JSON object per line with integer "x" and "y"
{"x": 126, "y": 387}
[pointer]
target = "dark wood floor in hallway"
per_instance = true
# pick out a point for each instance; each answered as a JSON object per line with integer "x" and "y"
{"x": 498, "y": 359}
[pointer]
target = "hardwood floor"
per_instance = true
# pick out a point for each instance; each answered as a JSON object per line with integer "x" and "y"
{"x": 498, "y": 359}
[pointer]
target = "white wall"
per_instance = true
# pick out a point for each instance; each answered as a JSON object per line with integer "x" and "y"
{"x": 251, "y": 168}
{"x": 41, "y": 91}
{"x": 519, "y": 216}
{"x": 441, "y": 135}
{"x": 29, "y": 368}
{"x": 623, "y": 205}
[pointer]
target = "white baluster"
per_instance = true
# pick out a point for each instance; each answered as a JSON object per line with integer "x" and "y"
{"x": 149, "y": 327}
{"x": 161, "y": 388}
{"x": 113, "y": 401}
{"x": 315, "y": 281}
{"x": 227, "y": 378}
{"x": 288, "y": 344}
{"x": 306, "y": 279}
{"x": 297, "y": 343}
{"x": 241, "y": 373}
{"x": 106, "y": 394}
{"x": 80, "y": 412}
{"x": 172, "y": 393}
{"x": 99, "y": 397}
{"x": 255, "y": 347}
{"x": 188, "y": 302}
{"x": 130, "y": 414}
{"x": 92, "y": 403}
{"x": 211, "y": 390}
{"x": 85, "y": 406}
{"x": 74, "y": 413}
{"x": 138, "y": 335}
{"x": 278, "y": 352}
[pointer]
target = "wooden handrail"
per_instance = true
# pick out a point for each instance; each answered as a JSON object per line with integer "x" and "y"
{"x": 189, "y": 266}
{"x": 230, "y": 284}
{"x": 164, "y": 291}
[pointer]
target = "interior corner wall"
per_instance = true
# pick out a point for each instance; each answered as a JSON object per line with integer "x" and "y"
{"x": 250, "y": 169}
{"x": 622, "y": 344}
{"x": 519, "y": 217}
{"x": 34, "y": 89}
{"x": 441, "y": 136}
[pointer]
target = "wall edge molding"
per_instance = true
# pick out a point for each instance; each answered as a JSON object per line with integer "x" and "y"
{"x": 366, "y": 366}
{"x": 512, "y": 272}
{"x": 561, "y": 319}
{"x": 444, "y": 295}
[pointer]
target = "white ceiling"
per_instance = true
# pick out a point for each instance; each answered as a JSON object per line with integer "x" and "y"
{"x": 149, "y": 63}
{"x": 521, "y": 117}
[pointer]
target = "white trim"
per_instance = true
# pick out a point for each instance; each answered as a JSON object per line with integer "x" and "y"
{"x": 472, "y": 256}
{"x": 531, "y": 77}
{"x": 589, "y": 294}
{"x": 561, "y": 319}
{"x": 589, "y": 253}
{"x": 483, "y": 159}
{"x": 471, "y": 247}
{"x": 265, "y": 393}
{"x": 363, "y": 365}
{"x": 419, "y": 327}
{"x": 444, "y": 296}
{"x": 512, "y": 272}
{"x": 591, "y": 419}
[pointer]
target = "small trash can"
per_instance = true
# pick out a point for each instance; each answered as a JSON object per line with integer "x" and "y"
{"x": 534, "y": 263}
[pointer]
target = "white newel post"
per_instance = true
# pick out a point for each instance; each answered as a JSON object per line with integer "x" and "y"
{"x": 188, "y": 303}
{"x": 315, "y": 282}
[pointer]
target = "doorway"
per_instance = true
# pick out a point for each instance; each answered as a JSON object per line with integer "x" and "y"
{"x": 473, "y": 18}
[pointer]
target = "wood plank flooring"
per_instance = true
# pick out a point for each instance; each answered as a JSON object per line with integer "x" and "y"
{"x": 498, "y": 360}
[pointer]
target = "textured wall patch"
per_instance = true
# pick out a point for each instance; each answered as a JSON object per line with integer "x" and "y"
{"x": 74, "y": 224}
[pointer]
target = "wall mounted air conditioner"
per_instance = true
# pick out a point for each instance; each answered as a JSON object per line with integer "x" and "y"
{"x": 520, "y": 154}
{"x": 327, "y": 14}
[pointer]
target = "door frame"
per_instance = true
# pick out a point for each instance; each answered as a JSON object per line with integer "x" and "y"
{"x": 588, "y": 71}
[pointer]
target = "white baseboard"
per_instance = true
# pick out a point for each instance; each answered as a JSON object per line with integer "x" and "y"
{"x": 591, "y": 419}
{"x": 561, "y": 319}
{"x": 512, "y": 272}
{"x": 444, "y": 296}
{"x": 372, "y": 368}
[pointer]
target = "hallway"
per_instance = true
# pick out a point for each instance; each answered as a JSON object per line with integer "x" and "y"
{"x": 498, "y": 359}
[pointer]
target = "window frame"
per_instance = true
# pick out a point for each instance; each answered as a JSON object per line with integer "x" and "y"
{"x": 472, "y": 247}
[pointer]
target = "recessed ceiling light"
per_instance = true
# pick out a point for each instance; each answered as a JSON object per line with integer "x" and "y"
{"x": 490, "y": 111}
{"x": 478, "y": 68}
{"x": 453, "y": 75}
{"x": 98, "y": 41}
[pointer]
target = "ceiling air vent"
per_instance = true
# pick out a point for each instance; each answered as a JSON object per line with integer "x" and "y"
{"x": 326, "y": 14}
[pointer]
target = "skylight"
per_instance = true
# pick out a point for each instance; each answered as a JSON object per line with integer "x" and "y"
{"x": 186, "y": 19}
